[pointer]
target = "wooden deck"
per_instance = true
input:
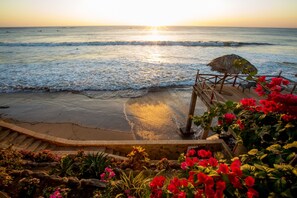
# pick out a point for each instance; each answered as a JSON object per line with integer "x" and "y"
{"x": 213, "y": 89}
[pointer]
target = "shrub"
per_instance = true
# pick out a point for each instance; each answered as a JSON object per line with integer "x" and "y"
{"x": 257, "y": 124}
{"x": 94, "y": 164}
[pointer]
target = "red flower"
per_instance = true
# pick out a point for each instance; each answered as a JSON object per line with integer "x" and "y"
{"x": 248, "y": 102}
{"x": 209, "y": 192}
{"x": 288, "y": 118}
{"x": 249, "y": 181}
{"x": 240, "y": 124}
{"x": 252, "y": 193}
{"x": 223, "y": 168}
{"x": 213, "y": 162}
{"x": 235, "y": 167}
{"x": 229, "y": 118}
{"x": 220, "y": 185}
{"x": 202, "y": 177}
{"x": 203, "y": 163}
{"x": 259, "y": 90}
{"x": 262, "y": 79}
{"x": 183, "y": 183}
{"x": 184, "y": 165}
{"x": 157, "y": 182}
{"x": 209, "y": 182}
{"x": 191, "y": 152}
{"x": 234, "y": 181}
{"x": 285, "y": 82}
{"x": 204, "y": 154}
{"x": 182, "y": 195}
{"x": 173, "y": 188}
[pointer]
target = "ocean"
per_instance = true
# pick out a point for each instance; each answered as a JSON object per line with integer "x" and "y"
{"x": 133, "y": 58}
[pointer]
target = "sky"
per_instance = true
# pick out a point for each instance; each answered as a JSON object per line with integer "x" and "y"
{"x": 235, "y": 13}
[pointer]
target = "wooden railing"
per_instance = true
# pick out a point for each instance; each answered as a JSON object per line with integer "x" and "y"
{"x": 206, "y": 88}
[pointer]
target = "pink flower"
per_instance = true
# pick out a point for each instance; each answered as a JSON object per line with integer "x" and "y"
{"x": 56, "y": 194}
{"x": 184, "y": 165}
{"x": 102, "y": 176}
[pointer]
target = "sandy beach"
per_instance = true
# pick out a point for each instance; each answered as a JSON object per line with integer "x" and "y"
{"x": 158, "y": 114}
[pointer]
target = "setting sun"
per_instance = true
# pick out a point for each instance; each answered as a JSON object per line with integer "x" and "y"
{"x": 265, "y": 13}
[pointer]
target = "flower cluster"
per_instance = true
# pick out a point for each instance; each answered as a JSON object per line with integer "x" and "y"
{"x": 276, "y": 101}
{"x": 205, "y": 176}
{"x": 107, "y": 175}
{"x": 60, "y": 192}
{"x": 271, "y": 120}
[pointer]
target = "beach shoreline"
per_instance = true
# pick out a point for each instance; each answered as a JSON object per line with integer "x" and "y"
{"x": 155, "y": 115}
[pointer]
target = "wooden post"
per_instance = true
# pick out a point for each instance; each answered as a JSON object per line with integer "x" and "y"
{"x": 216, "y": 79}
{"x": 205, "y": 132}
{"x": 235, "y": 78}
{"x": 187, "y": 130}
{"x": 293, "y": 88}
{"x": 197, "y": 76}
{"x": 222, "y": 84}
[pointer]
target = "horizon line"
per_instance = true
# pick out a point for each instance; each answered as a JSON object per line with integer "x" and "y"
{"x": 59, "y": 26}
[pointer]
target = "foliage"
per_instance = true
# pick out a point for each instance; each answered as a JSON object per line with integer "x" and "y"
{"x": 5, "y": 178}
{"x": 94, "y": 164}
{"x": 257, "y": 124}
{"x": 133, "y": 185}
{"x": 138, "y": 158}
{"x": 42, "y": 156}
{"x": 163, "y": 164}
{"x": 9, "y": 158}
{"x": 274, "y": 169}
{"x": 65, "y": 167}
{"x": 205, "y": 176}
{"x": 28, "y": 186}
{"x": 56, "y": 192}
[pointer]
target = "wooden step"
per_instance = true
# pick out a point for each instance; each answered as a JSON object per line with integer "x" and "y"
{"x": 42, "y": 146}
{"x": 27, "y": 142}
{"x": 34, "y": 145}
{"x": 17, "y": 141}
{"x": 9, "y": 138}
{"x": 4, "y": 133}
{"x": 51, "y": 147}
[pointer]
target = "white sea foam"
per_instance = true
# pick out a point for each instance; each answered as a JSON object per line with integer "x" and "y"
{"x": 124, "y": 58}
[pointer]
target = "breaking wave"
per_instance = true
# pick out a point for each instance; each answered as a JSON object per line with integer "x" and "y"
{"x": 137, "y": 43}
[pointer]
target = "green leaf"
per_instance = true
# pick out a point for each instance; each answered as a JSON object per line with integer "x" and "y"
{"x": 291, "y": 145}
{"x": 289, "y": 125}
{"x": 263, "y": 156}
{"x": 253, "y": 152}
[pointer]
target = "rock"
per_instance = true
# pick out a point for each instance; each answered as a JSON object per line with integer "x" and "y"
{"x": 26, "y": 173}
{"x": 56, "y": 180}
{"x": 39, "y": 174}
{"x": 93, "y": 182}
{"x": 73, "y": 182}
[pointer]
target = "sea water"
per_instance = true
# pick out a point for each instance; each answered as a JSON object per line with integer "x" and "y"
{"x": 133, "y": 58}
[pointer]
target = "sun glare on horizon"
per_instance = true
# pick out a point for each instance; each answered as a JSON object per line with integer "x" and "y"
{"x": 250, "y": 13}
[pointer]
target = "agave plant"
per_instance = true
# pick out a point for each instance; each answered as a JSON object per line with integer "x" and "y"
{"x": 94, "y": 164}
{"x": 133, "y": 185}
{"x": 66, "y": 166}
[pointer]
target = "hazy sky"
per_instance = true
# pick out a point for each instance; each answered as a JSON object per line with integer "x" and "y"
{"x": 250, "y": 13}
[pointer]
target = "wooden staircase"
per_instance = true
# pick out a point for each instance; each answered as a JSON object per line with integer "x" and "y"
{"x": 23, "y": 139}
{"x": 18, "y": 140}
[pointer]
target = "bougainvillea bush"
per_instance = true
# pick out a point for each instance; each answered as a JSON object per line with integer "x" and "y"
{"x": 258, "y": 124}
{"x": 202, "y": 175}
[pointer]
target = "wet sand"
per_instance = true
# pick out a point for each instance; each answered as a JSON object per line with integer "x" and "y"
{"x": 158, "y": 114}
